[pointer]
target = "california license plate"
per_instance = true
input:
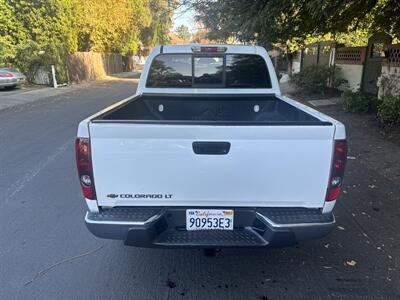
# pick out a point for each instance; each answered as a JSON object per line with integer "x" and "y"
{"x": 209, "y": 219}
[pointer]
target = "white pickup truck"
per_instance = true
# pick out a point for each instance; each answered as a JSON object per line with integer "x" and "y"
{"x": 209, "y": 154}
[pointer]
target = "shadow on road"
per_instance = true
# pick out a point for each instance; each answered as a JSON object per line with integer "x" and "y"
{"x": 337, "y": 266}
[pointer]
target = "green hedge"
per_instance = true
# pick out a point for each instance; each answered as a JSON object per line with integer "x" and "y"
{"x": 389, "y": 111}
{"x": 358, "y": 102}
{"x": 318, "y": 79}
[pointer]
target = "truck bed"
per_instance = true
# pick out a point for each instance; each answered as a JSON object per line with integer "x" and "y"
{"x": 214, "y": 109}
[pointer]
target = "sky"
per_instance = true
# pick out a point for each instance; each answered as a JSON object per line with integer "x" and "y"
{"x": 184, "y": 16}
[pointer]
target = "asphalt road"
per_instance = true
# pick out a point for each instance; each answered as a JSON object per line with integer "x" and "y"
{"x": 46, "y": 251}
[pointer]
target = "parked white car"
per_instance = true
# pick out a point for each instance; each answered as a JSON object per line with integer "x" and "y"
{"x": 10, "y": 78}
{"x": 209, "y": 154}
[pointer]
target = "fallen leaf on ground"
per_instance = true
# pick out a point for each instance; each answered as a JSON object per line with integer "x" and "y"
{"x": 351, "y": 263}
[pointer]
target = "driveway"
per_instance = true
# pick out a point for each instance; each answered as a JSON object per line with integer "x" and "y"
{"x": 46, "y": 251}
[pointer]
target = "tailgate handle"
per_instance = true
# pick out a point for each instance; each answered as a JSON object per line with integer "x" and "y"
{"x": 211, "y": 148}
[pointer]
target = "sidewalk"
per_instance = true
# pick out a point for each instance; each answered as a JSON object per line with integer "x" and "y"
{"x": 14, "y": 98}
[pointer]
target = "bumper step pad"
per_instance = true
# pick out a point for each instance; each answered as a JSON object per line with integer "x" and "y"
{"x": 295, "y": 215}
{"x": 235, "y": 238}
{"x": 124, "y": 214}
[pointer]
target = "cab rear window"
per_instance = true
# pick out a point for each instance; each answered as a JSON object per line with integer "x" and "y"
{"x": 173, "y": 71}
{"x": 208, "y": 71}
{"x": 246, "y": 71}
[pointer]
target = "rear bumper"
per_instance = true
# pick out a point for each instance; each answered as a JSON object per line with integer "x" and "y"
{"x": 8, "y": 83}
{"x": 165, "y": 227}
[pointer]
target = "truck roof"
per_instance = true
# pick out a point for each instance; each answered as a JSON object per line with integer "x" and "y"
{"x": 230, "y": 48}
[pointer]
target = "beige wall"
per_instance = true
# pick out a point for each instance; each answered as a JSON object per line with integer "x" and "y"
{"x": 391, "y": 70}
{"x": 295, "y": 67}
{"x": 353, "y": 75}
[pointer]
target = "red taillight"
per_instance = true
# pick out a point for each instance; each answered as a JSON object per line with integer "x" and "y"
{"x": 8, "y": 75}
{"x": 209, "y": 49}
{"x": 337, "y": 170}
{"x": 85, "y": 171}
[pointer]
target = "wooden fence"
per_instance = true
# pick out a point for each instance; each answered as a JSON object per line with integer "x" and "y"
{"x": 392, "y": 53}
{"x": 350, "y": 55}
{"x": 86, "y": 66}
{"x": 317, "y": 54}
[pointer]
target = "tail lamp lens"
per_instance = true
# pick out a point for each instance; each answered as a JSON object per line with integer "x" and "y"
{"x": 337, "y": 170}
{"x": 85, "y": 170}
{"x": 6, "y": 75}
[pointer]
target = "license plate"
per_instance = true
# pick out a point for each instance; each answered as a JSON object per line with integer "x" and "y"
{"x": 209, "y": 219}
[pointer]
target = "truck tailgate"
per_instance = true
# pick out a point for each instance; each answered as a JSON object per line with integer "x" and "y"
{"x": 265, "y": 166}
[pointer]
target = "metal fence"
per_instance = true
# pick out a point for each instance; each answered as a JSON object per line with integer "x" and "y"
{"x": 41, "y": 77}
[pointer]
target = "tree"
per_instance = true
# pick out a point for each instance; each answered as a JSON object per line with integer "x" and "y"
{"x": 111, "y": 26}
{"x": 42, "y": 32}
{"x": 270, "y": 22}
{"x": 183, "y": 32}
{"x": 157, "y": 33}
{"x": 29, "y": 29}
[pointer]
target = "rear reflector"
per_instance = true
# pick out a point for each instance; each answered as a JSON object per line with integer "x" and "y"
{"x": 208, "y": 49}
{"x": 337, "y": 170}
{"x": 85, "y": 170}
